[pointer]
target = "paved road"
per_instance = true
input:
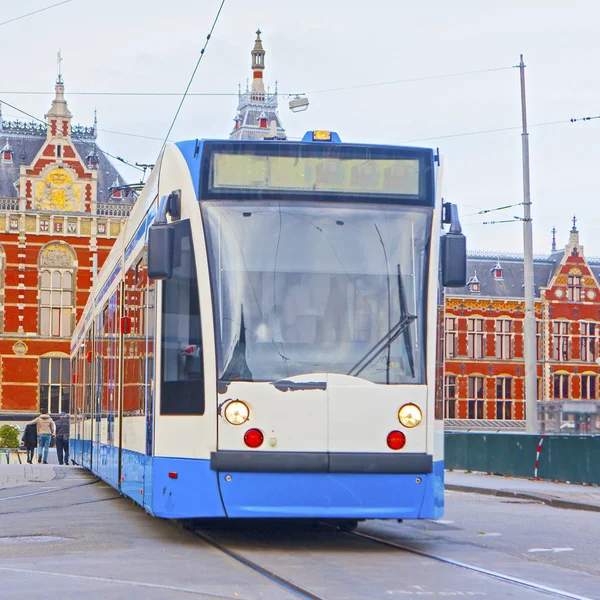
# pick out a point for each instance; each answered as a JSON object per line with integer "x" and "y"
{"x": 72, "y": 535}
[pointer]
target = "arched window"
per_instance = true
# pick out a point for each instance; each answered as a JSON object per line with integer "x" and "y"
{"x": 57, "y": 265}
{"x": 2, "y": 270}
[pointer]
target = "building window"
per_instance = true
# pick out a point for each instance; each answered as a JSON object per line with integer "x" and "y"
{"x": 503, "y": 398}
{"x": 538, "y": 340}
{"x": 561, "y": 386}
{"x": 56, "y": 302}
{"x": 560, "y": 340}
{"x": 504, "y": 338}
{"x": 451, "y": 332}
{"x": 475, "y": 335}
{"x": 574, "y": 288}
{"x": 504, "y": 388}
{"x": 475, "y": 395}
{"x": 588, "y": 387}
{"x": 588, "y": 341}
{"x": 450, "y": 396}
{"x": 55, "y": 379}
{"x": 57, "y": 290}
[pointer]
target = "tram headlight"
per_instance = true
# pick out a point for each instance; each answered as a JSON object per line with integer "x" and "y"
{"x": 237, "y": 412}
{"x": 410, "y": 415}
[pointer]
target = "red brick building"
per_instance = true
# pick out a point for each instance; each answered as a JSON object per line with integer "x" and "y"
{"x": 61, "y": 208}
{"x": 484, "y": 367}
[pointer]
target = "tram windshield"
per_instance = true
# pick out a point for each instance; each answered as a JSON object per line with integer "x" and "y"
{"x": 305, "y": 288}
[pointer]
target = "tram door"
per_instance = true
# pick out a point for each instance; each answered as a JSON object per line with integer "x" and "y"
{"x": 88, "y": 427}
{"x": 137, "y": 326}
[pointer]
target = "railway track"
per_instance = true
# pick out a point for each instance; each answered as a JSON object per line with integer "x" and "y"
{"x": 282, "y": 582}
{"x": 300, "y": 591}
{"x": 517, "y": 581}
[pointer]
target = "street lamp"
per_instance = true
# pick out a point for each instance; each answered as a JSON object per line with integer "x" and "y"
{"x": 299, "y": 104}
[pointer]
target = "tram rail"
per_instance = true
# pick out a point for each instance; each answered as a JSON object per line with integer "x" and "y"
{"x": 302, "y": 592}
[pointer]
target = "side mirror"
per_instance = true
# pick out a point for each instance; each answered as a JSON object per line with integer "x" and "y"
{"x": 453, "y": 251}
{"x": 161, "y": 240}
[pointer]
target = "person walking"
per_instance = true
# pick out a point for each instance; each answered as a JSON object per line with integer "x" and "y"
{"x": 62, "y": 438}
{"x": 30, "y": 441}
{"x": 45, "y": 430}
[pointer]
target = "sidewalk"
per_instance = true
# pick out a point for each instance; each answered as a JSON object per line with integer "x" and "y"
{"x": 561, "y": 495}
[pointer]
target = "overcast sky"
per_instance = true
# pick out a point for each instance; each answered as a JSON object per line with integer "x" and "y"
{"x": 315, "y": 45}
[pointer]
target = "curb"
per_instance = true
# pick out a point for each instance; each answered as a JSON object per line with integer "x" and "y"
{"x": 549, "y": 500}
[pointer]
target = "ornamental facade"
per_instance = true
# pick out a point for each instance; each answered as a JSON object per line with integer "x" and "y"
{"x": 62, "y": 206}
{"x": 484, "y": 366}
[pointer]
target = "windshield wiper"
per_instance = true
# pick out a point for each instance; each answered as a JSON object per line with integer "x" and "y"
{"x": 237, "y": 367}
{"x": 401, "y": 327}
{"x": 385, "y": 342}
{"x": 404, "y": 312}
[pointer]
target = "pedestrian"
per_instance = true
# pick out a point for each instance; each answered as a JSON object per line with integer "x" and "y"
{"x": 62, "y": 438}
{"x": 30, "y": 441}
{"x": 45, "y": 430}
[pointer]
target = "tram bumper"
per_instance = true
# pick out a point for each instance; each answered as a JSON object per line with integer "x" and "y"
{"x": 367, "y": 492}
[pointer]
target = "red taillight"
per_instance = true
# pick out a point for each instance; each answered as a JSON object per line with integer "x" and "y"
{"x": 254, "y": 438}
{"x": 396, "y": 440}
{"x": 173, "y": 474}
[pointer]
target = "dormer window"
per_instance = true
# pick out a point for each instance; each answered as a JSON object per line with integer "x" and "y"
{"x": 497, "y": 271}
{"x": 115, "y": 188}
{"x": 474, "y": 284}
{"x": 7, "y": 154}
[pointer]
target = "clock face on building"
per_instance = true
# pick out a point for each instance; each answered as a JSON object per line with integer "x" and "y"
{"x": 559, "y": 293}
{"x": 591, "y": 294}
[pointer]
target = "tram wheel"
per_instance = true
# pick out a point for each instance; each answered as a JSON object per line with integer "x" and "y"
{"x": 346, "y": 525}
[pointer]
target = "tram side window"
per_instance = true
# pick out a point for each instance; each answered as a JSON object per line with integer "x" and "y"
{"x": 182, "y": 388}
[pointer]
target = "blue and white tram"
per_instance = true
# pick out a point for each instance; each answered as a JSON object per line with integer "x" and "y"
{"x": 261, "y": 340}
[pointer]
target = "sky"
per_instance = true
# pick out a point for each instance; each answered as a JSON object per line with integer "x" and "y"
{"x": 455, "y": 87}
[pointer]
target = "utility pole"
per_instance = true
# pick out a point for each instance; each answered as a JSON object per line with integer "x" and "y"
{"x": 529, "y": 337}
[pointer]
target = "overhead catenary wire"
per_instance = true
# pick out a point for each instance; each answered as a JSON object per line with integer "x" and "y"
{"x": 193, "y": 74}
{"x": 489, "y": 210}
{"x": 35, "y": 12}
{"x": 284, "y": 94}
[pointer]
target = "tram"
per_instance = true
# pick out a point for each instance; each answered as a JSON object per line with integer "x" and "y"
{"x": 261, "y": 341}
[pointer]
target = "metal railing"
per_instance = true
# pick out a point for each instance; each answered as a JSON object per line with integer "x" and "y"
{"x": 5, "y": 455}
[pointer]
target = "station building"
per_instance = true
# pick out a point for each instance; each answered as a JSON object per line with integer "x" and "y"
{"x": 484, "y": 367}
{"x": 62, "y": 204}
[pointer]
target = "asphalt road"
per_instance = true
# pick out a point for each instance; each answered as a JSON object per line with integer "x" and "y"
{"x": 73, "y": 536}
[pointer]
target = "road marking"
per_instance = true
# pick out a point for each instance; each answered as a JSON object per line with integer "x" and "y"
{"x": 490, "y": 534}
{"x": 550, "y": 550}
{"x": 442, "y": 522}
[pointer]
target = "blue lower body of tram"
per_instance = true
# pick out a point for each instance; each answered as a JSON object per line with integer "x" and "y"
{"x": 182, "y": 488}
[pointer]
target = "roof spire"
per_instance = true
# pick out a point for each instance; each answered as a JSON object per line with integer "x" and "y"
{"x": 258, "y": 65}
{"x": 59, "y": 79}
{"x": 574, "y": 235}
{"x": 59, "y": 117}
{"x": 554, "y": 239}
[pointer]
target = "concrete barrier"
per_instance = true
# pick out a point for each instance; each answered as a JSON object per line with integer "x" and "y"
{"x": 573, "y": 458}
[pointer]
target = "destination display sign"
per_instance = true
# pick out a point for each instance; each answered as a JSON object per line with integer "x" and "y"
{"x": 388, "y": 177}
